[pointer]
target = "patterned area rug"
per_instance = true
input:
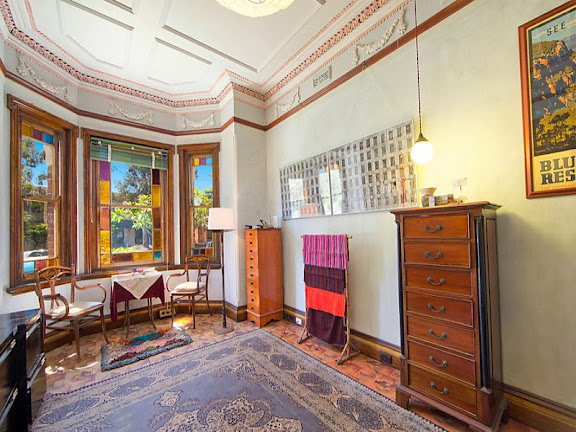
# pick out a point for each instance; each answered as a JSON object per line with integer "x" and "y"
{"x": 251, "y": 382}
{"x": 118, "y": 354}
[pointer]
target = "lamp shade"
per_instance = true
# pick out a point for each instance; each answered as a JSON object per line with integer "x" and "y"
{"x": 255, "y": 8}
{"x": 220, "y": 218}
{"x": 422, "y": 151}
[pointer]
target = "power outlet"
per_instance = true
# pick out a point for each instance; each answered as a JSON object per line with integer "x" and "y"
{"x": 298, "y": 321}
{"x": 163, "y": 313}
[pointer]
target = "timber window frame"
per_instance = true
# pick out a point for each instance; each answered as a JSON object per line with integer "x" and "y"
{"x": 62, "y": 182}
{"x": 93, "y": 234}
{"x": 186, "y": 155}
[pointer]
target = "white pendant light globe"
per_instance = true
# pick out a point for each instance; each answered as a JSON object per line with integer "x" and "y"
{"x": 423, "y": 151}
{"x": 255, "y": 8}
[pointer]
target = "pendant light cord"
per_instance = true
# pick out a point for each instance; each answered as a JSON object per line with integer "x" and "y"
{"x": 417, "y": 65}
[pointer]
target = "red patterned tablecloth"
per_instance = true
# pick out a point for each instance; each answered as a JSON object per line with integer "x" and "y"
{"x": 119, "y": 294}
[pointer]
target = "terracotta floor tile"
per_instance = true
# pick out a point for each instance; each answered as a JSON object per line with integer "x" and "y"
{"x": 65, "y": 374}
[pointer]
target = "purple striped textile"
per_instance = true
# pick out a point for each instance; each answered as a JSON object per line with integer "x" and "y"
{"x": 326, "y": 250}
{"x": 328, "y": 279}
{"x": 326, "y": 327}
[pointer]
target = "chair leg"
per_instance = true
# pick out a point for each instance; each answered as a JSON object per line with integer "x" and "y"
{"x": 172, "y": 307}
{"x": 208, "y": 302}
{"x": 77, "y": 338}
{"x": 193, "y": 298}
{"x": 189, "y": 306}
{"x": 103, "y": 325}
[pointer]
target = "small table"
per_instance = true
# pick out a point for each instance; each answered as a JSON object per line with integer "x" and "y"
{"x": 135, "y": 286}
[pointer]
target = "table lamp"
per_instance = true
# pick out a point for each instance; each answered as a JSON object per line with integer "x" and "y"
{"x": 221, "y": 219}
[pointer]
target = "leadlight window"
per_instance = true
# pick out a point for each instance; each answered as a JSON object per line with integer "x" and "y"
{"x": 129, "y": 216}
{"x": 199, "y": 187}
{"x": 43, "y": 204}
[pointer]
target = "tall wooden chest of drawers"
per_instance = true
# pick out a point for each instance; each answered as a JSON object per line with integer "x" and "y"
{"x": 448, "y": 282}
{"x": 264, "y": 275}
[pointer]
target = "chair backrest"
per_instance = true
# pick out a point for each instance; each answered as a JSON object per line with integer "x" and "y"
{"x": 48, "y": 277}
{"x": 200, "y": 263}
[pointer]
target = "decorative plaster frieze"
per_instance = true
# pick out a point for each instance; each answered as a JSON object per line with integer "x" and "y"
{"x": 282, "y": 108}
{"x": 24, "y": 69}
{"x": 372, "y": 47}
{"x": 198, "y": 124}
{"x": 115, "y": 108}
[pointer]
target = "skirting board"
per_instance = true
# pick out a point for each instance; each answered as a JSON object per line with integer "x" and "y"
{"x": 537, "y": 412}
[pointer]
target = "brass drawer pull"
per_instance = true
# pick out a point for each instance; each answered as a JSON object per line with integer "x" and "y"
{"x": 440, "y": 365}
{"x": 438, "y": 255}
{"x": 438, "y": 228}
{"x": 441, "y": 337}
{"x": 431, "y": 307}
{"x": 431, "y": 282}
{"x": 433, "y": 385}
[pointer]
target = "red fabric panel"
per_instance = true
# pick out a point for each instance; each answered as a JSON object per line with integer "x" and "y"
{"x": 326, "y": 301}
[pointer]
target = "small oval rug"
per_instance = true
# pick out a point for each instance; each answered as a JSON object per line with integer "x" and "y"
{"x": 117, "y": 354}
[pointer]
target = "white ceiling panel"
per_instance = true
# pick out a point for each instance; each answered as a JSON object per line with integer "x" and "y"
{"x": 104, "y": 38}
{"x": 252, "y": 41}
{"x": 188, "y": 70}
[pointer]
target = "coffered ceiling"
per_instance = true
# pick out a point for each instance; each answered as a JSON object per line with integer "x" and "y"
{"x": 179, "y": 48}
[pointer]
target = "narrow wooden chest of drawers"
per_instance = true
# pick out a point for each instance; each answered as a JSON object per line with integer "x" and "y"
{"x": 264, "y": 294}
{"x": 448, "y": 283}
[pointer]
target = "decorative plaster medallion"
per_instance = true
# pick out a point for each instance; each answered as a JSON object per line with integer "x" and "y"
{"x": 282, "y": 108}
{"x": 372, "y": 47}
{"x": 115, "y": 108}
{"x": 198, "y": 124}
{"x": 24, "y": 69}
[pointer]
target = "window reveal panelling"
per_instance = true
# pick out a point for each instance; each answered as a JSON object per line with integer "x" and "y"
{"x": 43, "y": 198}
{"x": 130, "y": 205}
{"x": 199, "y": 182}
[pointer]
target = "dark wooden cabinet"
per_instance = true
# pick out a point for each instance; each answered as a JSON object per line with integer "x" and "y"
{"x": 448, "y": 282}
{"x": 265, "y": 300}
{"x": 22, "y": 376}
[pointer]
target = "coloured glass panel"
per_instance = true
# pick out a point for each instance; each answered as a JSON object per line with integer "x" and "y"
{"x": 104, "y": 192}
{"x": 156, "y": 218}
{"x": 157, "y": 239}
{"x": 105, "y": 242}
{"x": 155, "y": 177}
{"x": 122, "y": 258}
{"x": 156, "y": 196}
{"x": 104, "y": 170}
{"x": 105, "y": 218}
{"x": 104, "y": 259}
{"x": 143, "y": 256}
{"x": 157, "y": 255}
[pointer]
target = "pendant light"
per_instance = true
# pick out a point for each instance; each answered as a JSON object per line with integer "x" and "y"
{"x": 422, "y": 151}
{"x": 255, "y": 8}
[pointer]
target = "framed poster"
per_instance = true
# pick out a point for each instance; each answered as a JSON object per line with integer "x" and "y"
{"x": 548, "y": 68}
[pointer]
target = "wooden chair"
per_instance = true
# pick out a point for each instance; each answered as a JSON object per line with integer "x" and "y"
{"x": 62, "y": 314}
{"x": 192, "y": 290}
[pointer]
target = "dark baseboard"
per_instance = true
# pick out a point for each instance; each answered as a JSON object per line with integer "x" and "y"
{"x": 140, "y": 315}
{"x": 533, "y": 410}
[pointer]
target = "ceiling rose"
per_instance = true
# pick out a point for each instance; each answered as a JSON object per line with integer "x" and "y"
{"x": 255, "y": 8}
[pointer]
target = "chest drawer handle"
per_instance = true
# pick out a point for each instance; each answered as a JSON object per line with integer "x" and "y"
{"x": 440, "y": 365}
{"x": 438, "y": 255}
{"x": 431, "y": 307}
{"x": 444, "y": 392}
{"x": 431, "y": 282}
{"x": 441, "y": 337}
{"x": 430, "y": 230}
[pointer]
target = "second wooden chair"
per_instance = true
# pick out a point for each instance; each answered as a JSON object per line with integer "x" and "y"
{"x": 195, "y": 288}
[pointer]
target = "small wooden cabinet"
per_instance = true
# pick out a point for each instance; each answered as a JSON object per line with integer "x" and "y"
{"x": 264, "y": 294}
{"x": 22, "y": 376}
{"x": 449, "y": 311}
